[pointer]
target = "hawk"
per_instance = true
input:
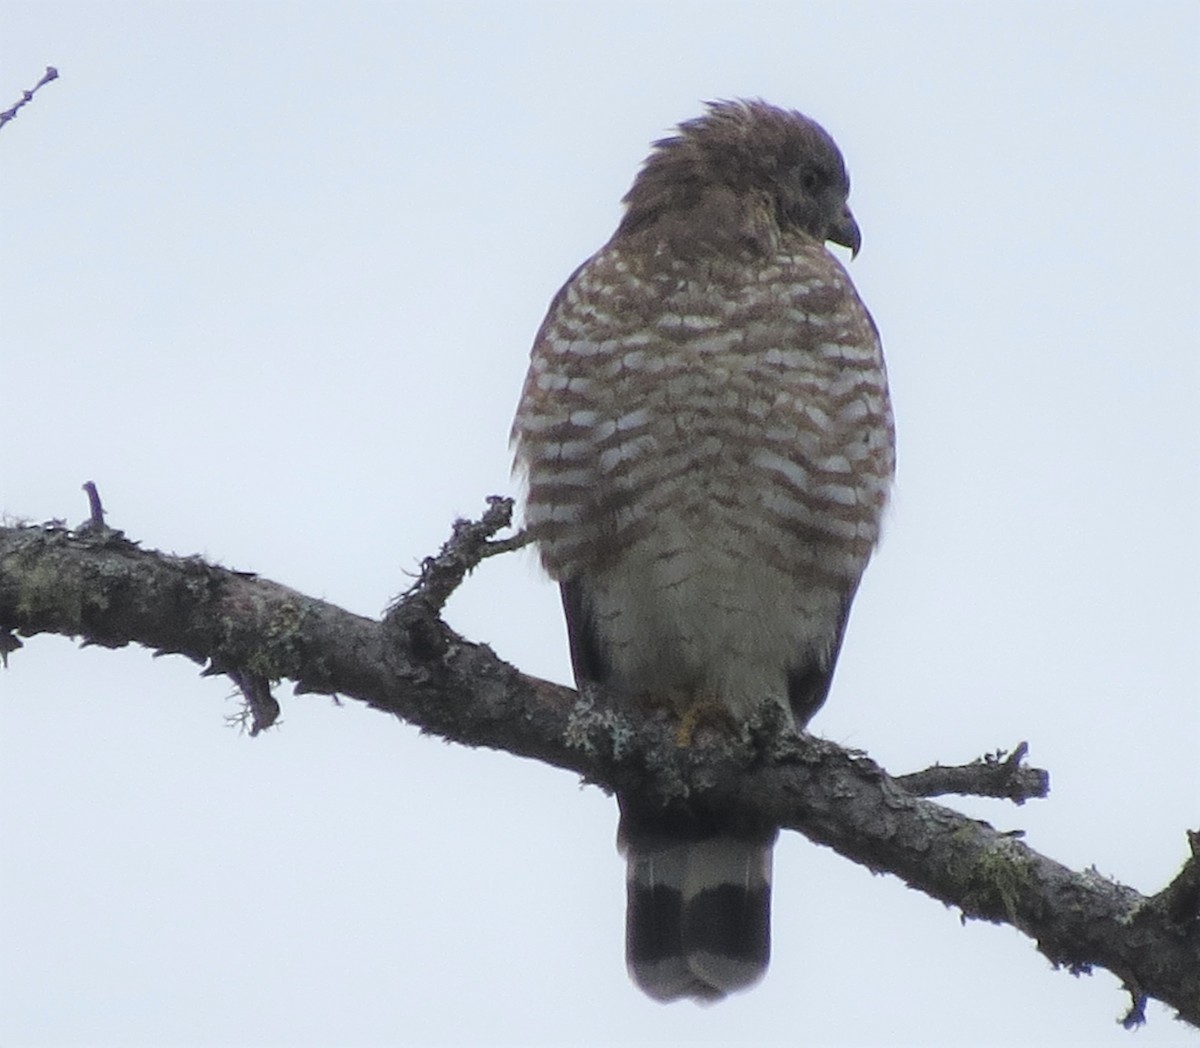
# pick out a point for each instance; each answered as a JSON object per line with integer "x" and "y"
{"x": 707, "y": 442}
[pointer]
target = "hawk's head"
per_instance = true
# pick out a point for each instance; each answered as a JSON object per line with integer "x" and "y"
{"x": 753, "y": 151}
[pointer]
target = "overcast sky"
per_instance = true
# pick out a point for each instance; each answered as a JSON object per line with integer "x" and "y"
{"x": 270, "y": 273}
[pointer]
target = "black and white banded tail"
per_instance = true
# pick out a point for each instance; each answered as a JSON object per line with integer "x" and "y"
{"x": 698, "y": 910}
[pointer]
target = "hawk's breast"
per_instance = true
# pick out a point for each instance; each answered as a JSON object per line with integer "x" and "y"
{"x": 708, "y": 451}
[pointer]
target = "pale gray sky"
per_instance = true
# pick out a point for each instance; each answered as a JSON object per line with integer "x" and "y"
{"x": 269, "y": 277}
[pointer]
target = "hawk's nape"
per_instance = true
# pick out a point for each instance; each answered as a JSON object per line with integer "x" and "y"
{"x": 707, "y": 442}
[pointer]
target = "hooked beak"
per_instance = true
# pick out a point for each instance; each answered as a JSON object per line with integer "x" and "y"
{"x": 845, "y": 232}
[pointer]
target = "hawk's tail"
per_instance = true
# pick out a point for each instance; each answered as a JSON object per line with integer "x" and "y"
{"x": 698, "y": 917}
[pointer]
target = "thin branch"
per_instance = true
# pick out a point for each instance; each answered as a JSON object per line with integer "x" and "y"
{"x": 27, "y": 96}
{"x": 469, "y": 543}
{"x": 104, "y": 588}
{"x": 262, "y": 708}
{"x": 9, "y": 642}
{"x": 95, "y": 507}
{"x": 1001, "y": 775}
{"x": 1180, "y": 900}
{"x": 415, "y": 616}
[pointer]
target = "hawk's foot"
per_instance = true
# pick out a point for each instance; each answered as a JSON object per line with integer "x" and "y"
{"x": 701, "y": 713}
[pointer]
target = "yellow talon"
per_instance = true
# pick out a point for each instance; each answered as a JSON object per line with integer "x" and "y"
{"x": 702, "y": 712}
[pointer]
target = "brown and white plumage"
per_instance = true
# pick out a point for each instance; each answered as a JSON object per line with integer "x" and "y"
{"x": 707, "y": 441}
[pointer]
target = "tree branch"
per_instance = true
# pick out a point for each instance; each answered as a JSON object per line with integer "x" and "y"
{"x": 96, "y": 584}
{"x": 998, "y": 774}
{"x": 27, "y": 96}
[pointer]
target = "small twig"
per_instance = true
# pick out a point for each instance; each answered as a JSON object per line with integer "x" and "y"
{"x": 416, "y": 614}
{"x": 95, "y": 507}
{"x": 469, "y": 543}
{"x": 27, "y": 96}
{"x": 1136, "y": 1016}
{"x": 9, "y": 642}
{"x": 1180, "y": 899}
{"x": 995, "y": 775}
{"x": 261, "y": 706}
{"x": 96, "y": 527}
{"x": 497, "y": 546}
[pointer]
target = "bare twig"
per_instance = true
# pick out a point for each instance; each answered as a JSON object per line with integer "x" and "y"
{"x": 9, "y": 642}
{"x": 995, "y": 775}
{"x": 27, "y": 96}
{"x": 262, "y": 708}
{"x": 470, "y": 543}
{"x": 1180, "y": 900}
{"x": 415, "y": 616}
{"x": 95, "y": 507}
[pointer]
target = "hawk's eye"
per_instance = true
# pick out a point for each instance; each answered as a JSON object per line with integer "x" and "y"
{"x": 810, "y": 179}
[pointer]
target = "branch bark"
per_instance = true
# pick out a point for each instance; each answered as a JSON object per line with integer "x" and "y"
{"x": 27, "y": 96}
{"x": 1001, "y": 775}
{"x": 96, "y": 584}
